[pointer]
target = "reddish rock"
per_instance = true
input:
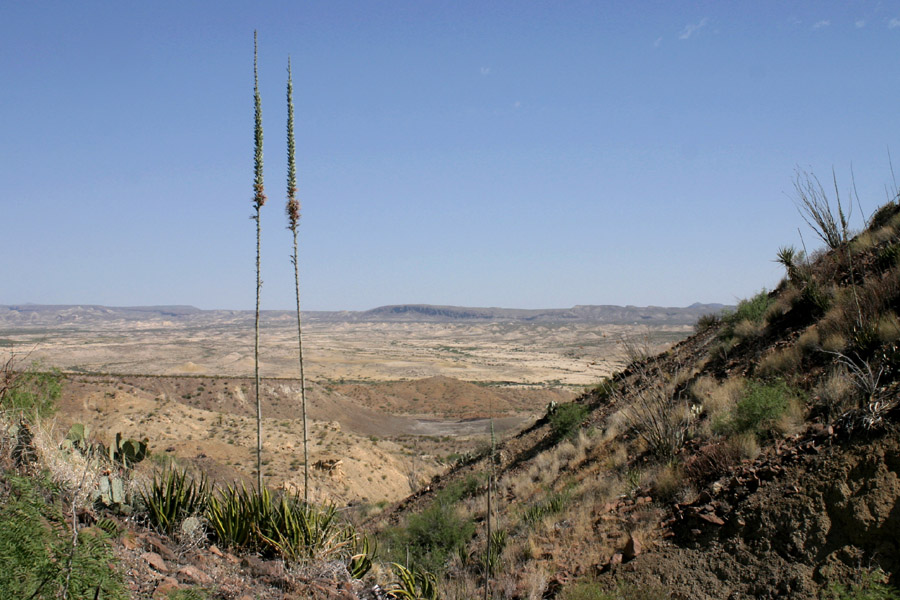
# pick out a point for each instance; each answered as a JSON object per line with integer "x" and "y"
{"x": 154, "y": 544}
{"x": 616, "y": 559}
{"x": 194, "y": 575}
{"x": 632, "y": 548}
{"x": 156, "y": 561}
{"x": 164, "y": 588}
{"x": 712, "y": 518}
{"x": 215, "y": 550}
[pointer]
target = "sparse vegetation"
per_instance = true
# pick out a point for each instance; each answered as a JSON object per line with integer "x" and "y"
{"x": 565, "y": 419}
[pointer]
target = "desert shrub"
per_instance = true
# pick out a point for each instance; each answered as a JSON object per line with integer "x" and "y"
{"x": 759, "y": 411}
{"x": 882, "y": 216}
{"x": 659, "y": 415}
{"x": 710, "y": 462}
{"x": 707, "y": 321}
{"x": 36, "y": 550}
{"x": 752, "y": 309}
{"x": 32, "y": 393}
{"x": 431, "y": 537}
{"x": 566, "y": 419}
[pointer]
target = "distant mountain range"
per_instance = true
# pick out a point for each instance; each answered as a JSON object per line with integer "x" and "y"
{"x": 44, "y": 315}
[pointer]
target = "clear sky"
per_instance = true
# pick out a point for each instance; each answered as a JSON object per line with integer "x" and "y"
{"x": 482, "y": 153}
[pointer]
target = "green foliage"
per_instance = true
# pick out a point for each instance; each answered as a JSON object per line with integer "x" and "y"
{"x": 128, "y": 452}
{"x": 37, "y": 553}
{"x": 415, "y": 584}
{"x": 461, "y": 488}
{"x": 760, "y": 408}
{"x": 553, "y": 504}
{"x": 172, "y": 497}
{"x": 433, "y": 535}
{"x": 871, "y": 586}
{"x": 753, "y": 309}
{"x": 565, "y": 419}
{"x": 364, "y": 552}
{"x": 32, "y": 393}
{"x": 234, "y": 514}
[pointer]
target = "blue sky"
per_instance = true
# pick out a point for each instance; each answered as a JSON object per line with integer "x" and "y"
{"x": 505, "y": 153}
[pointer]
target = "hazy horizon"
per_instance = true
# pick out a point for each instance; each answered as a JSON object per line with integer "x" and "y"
{"x": 512, "y": 153}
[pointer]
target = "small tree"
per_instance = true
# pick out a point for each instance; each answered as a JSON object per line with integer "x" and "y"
{"x": 293, "y": 215}
{"x": 259, "y": 199}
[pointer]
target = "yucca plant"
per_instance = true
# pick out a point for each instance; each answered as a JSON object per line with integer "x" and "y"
{"x": 259, "y": 199}
{"x": 173, "y": 496}
{"x": 293, "y": 215}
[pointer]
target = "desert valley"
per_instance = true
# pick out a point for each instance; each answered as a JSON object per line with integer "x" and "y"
{"x": 395, "y": 394}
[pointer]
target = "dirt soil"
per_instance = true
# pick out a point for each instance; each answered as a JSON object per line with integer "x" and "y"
{"x": 816, "y": 506}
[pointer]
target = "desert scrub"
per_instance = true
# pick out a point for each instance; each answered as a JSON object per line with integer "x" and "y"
{"x": 565, "y": 419}
{"x": 36, "y": 550}
{"x": 752, "y": 310}
{"x": 31, "y": 393}
{"x": 761, "y": 409}
{"x": 433, "y": 536}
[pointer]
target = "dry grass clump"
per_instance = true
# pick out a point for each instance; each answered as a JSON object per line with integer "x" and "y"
{"x": 835, "y": 392}
{"x": 781, "y": 362}
{"x": 808, "y": 342}
{"x": 670, "y": 483}
{"x": 717, "y": 399}
{"x": 889, "y": 328}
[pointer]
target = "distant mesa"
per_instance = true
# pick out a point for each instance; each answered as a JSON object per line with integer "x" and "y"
{"x": 18, "y": 315}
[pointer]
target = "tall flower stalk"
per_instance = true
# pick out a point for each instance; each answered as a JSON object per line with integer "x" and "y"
{"x": 293, "y": 215}
{"x": 259, "y": 199}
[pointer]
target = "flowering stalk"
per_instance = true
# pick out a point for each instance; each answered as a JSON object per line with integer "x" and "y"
{"x": 293, "y": 215}
{"x": 259, "y": 199}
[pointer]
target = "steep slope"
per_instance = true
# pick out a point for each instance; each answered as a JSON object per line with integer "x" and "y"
{"x": 757, "y": 459}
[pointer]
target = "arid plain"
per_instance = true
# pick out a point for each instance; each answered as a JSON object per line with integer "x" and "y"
{"x": 395, "y": 394}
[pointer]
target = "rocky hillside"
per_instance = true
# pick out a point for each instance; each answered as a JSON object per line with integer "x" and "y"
{"x": 757, "y": 459}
